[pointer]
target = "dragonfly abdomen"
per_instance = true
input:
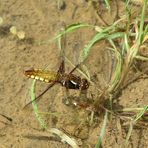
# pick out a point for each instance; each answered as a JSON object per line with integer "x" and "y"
{"x": 42, "y": 75}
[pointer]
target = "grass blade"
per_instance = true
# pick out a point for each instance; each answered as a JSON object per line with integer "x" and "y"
{"x": 35, "y": 108}
{"x": 129, "y": 134}
{"x": 99, "y": 144}
{"x": 86, "y": 50}
{"x": 71, "y": 28}
{"x": 139, "y": 115}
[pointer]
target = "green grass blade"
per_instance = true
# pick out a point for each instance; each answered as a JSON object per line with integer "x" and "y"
{"x": 103, "y": 129}
{"x": 107, "y": 4}
{"x": 141, "y": 32}
{"x": 35, "y": 108}
{"x": 126, "y": 44}
{"x": 131, "y": 109}
{"x": 66, "y": 30}
{"x": 141, "y": 113}
{"x": 115, "y": 35}
{"x": 86, "y": 50}
{"x": 142, "y": 58}
{"x": 117, "y": 70}
{"x": 72, "y": 28}
{"x": 145, "y": 31}
{"x": 129, "y": 134}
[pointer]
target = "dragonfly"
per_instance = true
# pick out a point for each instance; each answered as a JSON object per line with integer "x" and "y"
{"x": 67, "y": 80}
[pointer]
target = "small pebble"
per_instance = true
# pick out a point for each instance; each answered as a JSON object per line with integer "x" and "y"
{"x": 21, "y": 34}
{"x": 13, "y": 30}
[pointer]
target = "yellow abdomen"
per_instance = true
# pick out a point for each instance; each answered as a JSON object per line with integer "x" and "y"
{"x": 42, "y": 75}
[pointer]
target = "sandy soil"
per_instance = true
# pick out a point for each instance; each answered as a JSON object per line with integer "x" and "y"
{"x": 42, "y": 20}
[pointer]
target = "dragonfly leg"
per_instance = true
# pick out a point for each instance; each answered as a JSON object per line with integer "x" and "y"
{"x": 74, "y": 68}
{"x": 39, "y": 96}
